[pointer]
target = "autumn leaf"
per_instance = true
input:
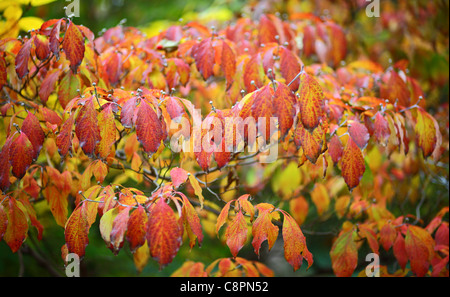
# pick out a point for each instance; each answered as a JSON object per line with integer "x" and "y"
{"x": 295, "y": 248}
{"x": 32, "y": 128}
{"x": 17, "y": 228}
{"x": 178, "y": 176}
{"x": 148, "y": 128}
{"x": 344, "y": 254}
{"x": 191, "y": 222}
{"x": 164, "y": 233}
{"x": 108, "y": 131}
{"x": 426, "y": 132}
{"x": 86, "y": 127}
{"x": 22, "y": 59}
{"x": 419, "y": 246}
{"x": 352, "y": 164}
{"x": 136, "y": 229}
{"x": 21, "y": 155}
{"x": 263, "y": 229}
{"x": 73, "y": 46}
{"x": 236, "y": 233}
{"x": 310, "y": 101}
{"x": 359, "y": 133}
{"x": 64, "y": 137}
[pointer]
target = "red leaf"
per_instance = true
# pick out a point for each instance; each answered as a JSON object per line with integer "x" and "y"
{"x": 3, "y": 221}
{"x": 228, "y": 63}
{"x": 192, "y": 223}
{"x": 21, "y": 155}
{"x": 290, "y": 66}
{"x": 64, "y": 138}
{"x": 73, "y": 46}
{"x": 359, "y": 133}
{"x": 335, "y": 149}
{"x": 352, "y": 164}
{"x": 263, "y": 229}
{"x": 382, "y": 131}
{"x": 419, "y": 246}
{"x": 388, "y": 235}
{"x": 204, "y": 57}
{"x": 236, "y": 234}
{"x": 311, "y": 101}
{"x": 48, "y": 84}
{"x": 137, "y": 230}
{"x": 42, "y": 47}
{"x": 32, "y": 128}
{"x": 400, "y": 251}
{"x": 312, "y": 143}
{"x": 119, "y": 227}
{"x": 17, "y": 228}
{"x": 164, "y": 233}
{"x": 295, "y": 248}
{"x": 86, "y": 127}
{"x": 108, "y": 131}
{"x": 3, "y": 71}
{"x": 178, "y": 176}
{"x": 22, "y": 59}
{"x": 149, "y": 131}
{"x": 5, "y": 166}
{"x": 284, "y": 107}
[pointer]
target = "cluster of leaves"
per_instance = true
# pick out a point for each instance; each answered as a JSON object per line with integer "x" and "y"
{"x": 104, "y": 107}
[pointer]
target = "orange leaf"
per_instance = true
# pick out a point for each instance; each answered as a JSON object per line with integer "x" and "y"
{"x": 204, "y": 57}
{"x": 295, "y": 248}
{"x": 32, "y": 128}
{"x": 22, "y": 58}
{"x": 119, "y": 227}
{"x": 263, "y": 229}
{"x": 400, "y": 250}
{"x": 86, "y": 128}
{"x": 73, "y": 46}
{"x": 137, "y": 228}
{"x": 320, "y": 197}
{"x": 335, "y": 149}
{"x": 178, "y": 176}
{"x": 164, "y": 233}
{"x": 352, "y": 164}
{"x": 17, "y": 228}
{"x": 197, "y": 189}
{"x": 290, "y": 66}
{"x": 222, "y": 218}
{"x": 284, "y": 107}
{"x": 312, "y": 143}
{"x": 108, "y": 131}
{"x": 236, "y": 233}
{"x": 21, "y": 155}
{"x": 64, "y": 137}
{"x": 3, "y": 221}
{"x": 426, "y": 132}
{"x": 387, "y": 236}
{"x": 359, "y": 133}
{"x": 311, "y": 101}
{"x": 344, "y": 254}
{"x": 148, "y": 128}
{"x": 192, "y": 222}
{"x": 419, "y": 246}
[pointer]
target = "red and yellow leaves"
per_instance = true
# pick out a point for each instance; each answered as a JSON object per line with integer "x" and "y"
{"x": 119, "y": 227}
{"x": 310, "y": 101}
{"x": 400, "y": 250}
{"x": 321, "y": 198}
{"x": 3, "y": 71}
{"x": 64, "y": 137}
{"x": 21, "y": 155}
{"x": 344, "y": 254}
{"x": 396, "y": 89}
{"x": 149, "y": 130}
{"x": 34, "y": 132}
{"x": 77, "y": 227}
{"x": 73, "y": 46}
{"x": 228, "y": 63}
{"x": 335, "y": 149}
{"x": 190, "y": 269}
{"x": 263, "y": 229}
{"x": 48, "y": 84}
{"x": 108, "y": 131}
{"x": 236, "y": 233}
{"x": 86, "y": 128}
{"x": 352, "y": 164}
{"x": 164, "y": 233}
{"x": 17, "y": 228}
{"x": 426, "y": 130}
{"x": 223, "y": 216}
{"x": 284, "y": 102}
{"x": 137, "y": 228}
{"x": 294, "y": 243}
{"x": 419, "y": 247}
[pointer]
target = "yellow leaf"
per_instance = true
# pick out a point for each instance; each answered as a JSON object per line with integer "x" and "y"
{"x": 30, "y": 23}
{"x": 198, "y": 190}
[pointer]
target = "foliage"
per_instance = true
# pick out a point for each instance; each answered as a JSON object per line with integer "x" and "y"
{"x": 109, "y": 131}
